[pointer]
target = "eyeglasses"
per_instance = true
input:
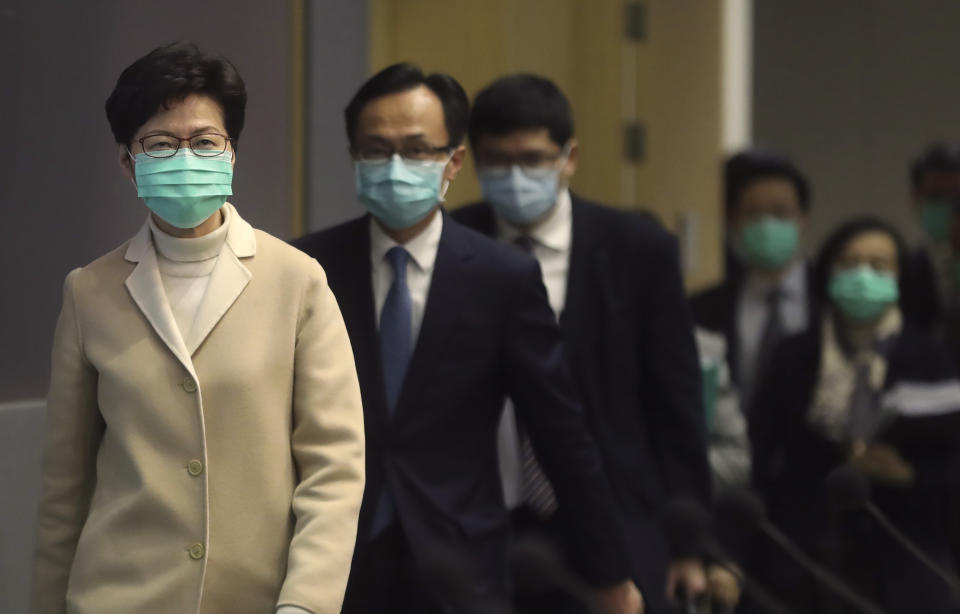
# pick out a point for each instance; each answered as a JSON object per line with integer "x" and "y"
{"x": 420, "y": 151}
{"x": 526, "y": 159}
{"x": 166, "y": 146}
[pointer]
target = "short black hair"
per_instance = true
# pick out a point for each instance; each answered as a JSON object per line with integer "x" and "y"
{"x": 404, "y": 77}
{"x": 835, "y": 243}
{"x": 751, "y": 165}
{"x": 521, "y": 102}
{"x": 938, "y": 157}
{"x": 171, "y": 73}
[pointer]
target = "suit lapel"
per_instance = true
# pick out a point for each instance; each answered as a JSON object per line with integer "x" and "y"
{"x": 352, "y": 282}
{"x": 730, "y": 303}
{"x": 146, "y": 288}
{"x": 441, "y": 313}
{"x": 582, "y": 262}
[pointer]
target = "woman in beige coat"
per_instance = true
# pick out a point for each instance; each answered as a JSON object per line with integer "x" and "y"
{"x": 204, "y": 447}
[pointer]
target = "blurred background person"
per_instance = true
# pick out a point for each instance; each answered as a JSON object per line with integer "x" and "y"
{"x": 728, "y": 448}
{"x": 204, "y": 430}
{"x": 767, "y": 202}
{"x": 614, "y": 283}
{"x": 863, "y": 385}
{"x": 935, "y": 192}
{"x": 445, "y": 323}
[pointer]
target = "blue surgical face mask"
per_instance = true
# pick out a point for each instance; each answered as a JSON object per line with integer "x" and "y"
{"x": 184, "y": 189}
{"x": 400, "y": 192}
{"x": 520, "y": 195}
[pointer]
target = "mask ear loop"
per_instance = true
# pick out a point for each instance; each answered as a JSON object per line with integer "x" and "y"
{"x": 561, "y": 161}
{"x": 445, "y": 184}
{"x": 133, "y": 162}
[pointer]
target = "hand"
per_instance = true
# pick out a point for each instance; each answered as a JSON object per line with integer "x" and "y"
{"x": 723, "y": 586}
{"x": 686, "y": 575}
{"x": 883, "y": 463}
{"x": 623, "y": 598}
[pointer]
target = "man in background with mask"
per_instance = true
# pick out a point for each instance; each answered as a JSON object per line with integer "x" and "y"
{"x": 935, "y": 301}
{"x": 445, "y": 323}
{"x": 767, "y": 201}
{"x": 935, "y": 192}
{"x": 614, "y": 284}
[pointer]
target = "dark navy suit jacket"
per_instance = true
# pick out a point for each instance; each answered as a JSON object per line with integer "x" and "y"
{"x": 487, "y": 332}
{"x": 629, "y": 338}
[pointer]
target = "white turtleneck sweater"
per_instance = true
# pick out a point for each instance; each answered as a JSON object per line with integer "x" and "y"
{"x": 185, "y": 268}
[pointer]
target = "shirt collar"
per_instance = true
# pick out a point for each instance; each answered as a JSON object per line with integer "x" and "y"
{"x": 793, "y": 284}
{"x": 422, "y": 248}
{"x": 554, "y": 232}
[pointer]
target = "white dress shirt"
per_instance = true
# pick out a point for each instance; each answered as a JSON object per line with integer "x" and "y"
{"x": 423, "y": 256}
{"x": 752, "y": 317}
{"x": 551, "y": 247}
{"x": 185, "y": 266}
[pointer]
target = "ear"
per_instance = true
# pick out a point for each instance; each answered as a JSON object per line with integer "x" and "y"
{"x": 455, "y": 163}
{"x": 802, "y": 220}
{"x": 126, "y": 164}
{"x": 570, "y": 167}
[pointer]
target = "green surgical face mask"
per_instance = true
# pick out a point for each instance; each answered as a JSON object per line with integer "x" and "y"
{"x": 184, "y": 189}
{"x": 935, "y": 218}
{"x": 769, "y": 243}
{"x": 863, "y": 293}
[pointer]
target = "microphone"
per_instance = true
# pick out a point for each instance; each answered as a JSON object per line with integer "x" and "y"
{"x": 687, "y": 527}
{"x": 452, "y": 580}
{"x": 538, "y": 567}
{"x": 744, "y": 511}
{"x": 848, "y": 490}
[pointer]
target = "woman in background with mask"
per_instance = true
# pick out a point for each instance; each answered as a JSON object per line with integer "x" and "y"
{"x": 862, "y": 386}
{"x": 204, "y": 449}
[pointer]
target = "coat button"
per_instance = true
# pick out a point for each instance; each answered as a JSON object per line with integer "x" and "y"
{"x": 196, "y": 551}
{"x": 194, "y": 467}
{"x": 189, "y": 385}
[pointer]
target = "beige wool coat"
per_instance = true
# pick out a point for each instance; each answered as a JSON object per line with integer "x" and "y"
{"x": 226, "y": 481}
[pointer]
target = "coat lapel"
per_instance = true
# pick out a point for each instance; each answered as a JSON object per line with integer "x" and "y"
{"x": 442, "y": 310}
{"x": 146, "y": 288}
{"x": 227, "y": 281}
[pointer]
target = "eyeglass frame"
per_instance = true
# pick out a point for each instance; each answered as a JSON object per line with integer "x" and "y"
{"x": 432, "y": 149}
{"x": 527, "y": 160}
{"x": 228, "y": 141}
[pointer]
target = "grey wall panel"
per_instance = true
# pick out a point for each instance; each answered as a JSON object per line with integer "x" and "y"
{"x": 338, "y": 59}
{"x": 854, "y": 90}
{"x": 63, "y": 201}
{"x": 21, "y": 428}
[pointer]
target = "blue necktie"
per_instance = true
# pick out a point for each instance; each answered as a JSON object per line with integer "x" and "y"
{"x": 395, "y": 340}
{"x": 395, "y": 328}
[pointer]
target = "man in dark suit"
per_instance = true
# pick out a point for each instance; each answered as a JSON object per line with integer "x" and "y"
{"x": 767, "y": 202}
{"x": 935, "y": 192}
{"x": 614, "y": 282}
{"x": 445, "y": 323}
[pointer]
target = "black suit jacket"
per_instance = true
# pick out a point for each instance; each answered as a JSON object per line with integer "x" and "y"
{"x": 792, "y": 460}
{"x": 922, "y": 301}
{"x": 487, "y": 332}
{"x": 715, "y": 309}
{"x": 629, "y": 339}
